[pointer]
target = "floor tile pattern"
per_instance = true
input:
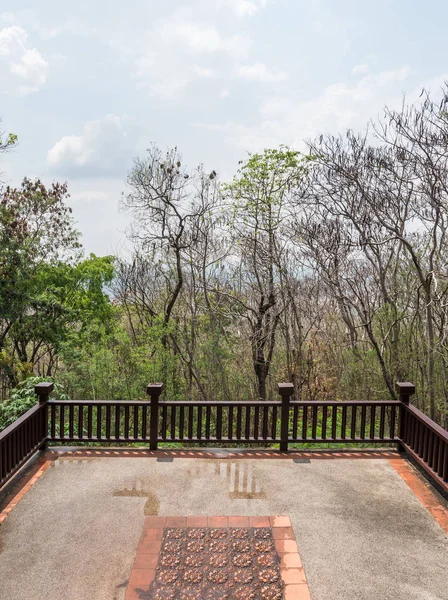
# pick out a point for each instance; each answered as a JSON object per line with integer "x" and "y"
{"x": 211, "y": 558}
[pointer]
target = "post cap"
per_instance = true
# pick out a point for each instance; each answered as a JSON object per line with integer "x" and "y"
{"x": 406, "y": 388}
{"x": 286, "y": 389}
{"x": 44, "y": 389}
{"x": 154, "y": 389}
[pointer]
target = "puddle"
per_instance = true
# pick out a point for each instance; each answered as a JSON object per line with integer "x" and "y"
{"x": 241, "y": 481}
{"x": 238, "y": 478}
{"x": 301, "y": 460}
{"x": 137, "y": 490}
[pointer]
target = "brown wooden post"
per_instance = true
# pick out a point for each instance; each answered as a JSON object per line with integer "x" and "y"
{"x": 405, "y": 390}
{"x": 154, "y": 390}
{"x": 286, "y": 390}
{"x": 43, "y": 391}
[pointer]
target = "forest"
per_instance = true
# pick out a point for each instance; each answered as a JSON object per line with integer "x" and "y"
{"x": 326, "y": 268}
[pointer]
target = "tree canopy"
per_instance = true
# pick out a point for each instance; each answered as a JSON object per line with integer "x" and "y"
{"x": 326, "y": 268}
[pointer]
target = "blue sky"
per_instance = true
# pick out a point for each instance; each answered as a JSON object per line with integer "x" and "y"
{"x": 87, "y": 86}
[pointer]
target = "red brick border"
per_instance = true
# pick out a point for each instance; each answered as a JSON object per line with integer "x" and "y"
{"x": 422, "y": 490}
{"x": 25, "y": 485}
{"x": 292, "y": 572}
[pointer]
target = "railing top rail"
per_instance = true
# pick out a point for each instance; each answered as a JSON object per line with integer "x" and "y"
{"x": 346, "y": 403}
{"x": 222, "y": 403}
{"x": 427, "y": 421}
{"x": 8, "y": 430}
{"x": 226, "y": 403}
{"x": 99, "y": 402}
{"x": 161, "y": 403}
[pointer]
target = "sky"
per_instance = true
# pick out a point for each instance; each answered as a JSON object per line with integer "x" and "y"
{"x": 87, "y": 86}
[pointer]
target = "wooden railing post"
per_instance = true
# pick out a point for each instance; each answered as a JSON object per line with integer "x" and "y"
{"x": 405, "y": 390}
{"x": 43, "y": 391}
{"x": 154, "y": 390}
{"x": 285, "y": 390}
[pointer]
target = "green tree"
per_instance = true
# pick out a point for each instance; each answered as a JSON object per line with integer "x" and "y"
{"x": 66, "y": 305}
{"x": 258, "y": 197}
{"x": 36, "y": 229}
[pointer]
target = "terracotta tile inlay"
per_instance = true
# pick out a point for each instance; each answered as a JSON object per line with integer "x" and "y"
{"x": 218, "y": 558}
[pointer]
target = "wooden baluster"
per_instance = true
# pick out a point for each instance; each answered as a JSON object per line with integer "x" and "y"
{"x": 219, "y": 422}
{"x": 405, "y": 390}
{"x": 89, "y": 421}
{"x": 135, "y": 421}
{"x": 344, "y": 422}
{"x": 372, "y": 421}
{"x": 181, "y": 422}
{"x": 324, "y": 422}
{"x": 99, "y": 432}
{"x": 43, "y": 391}
{"x": 154, "y": 390}
{"x": 286, "y": 390}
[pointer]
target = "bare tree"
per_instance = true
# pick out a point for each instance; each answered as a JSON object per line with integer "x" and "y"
{"x": 169, "y": 205}
{"x": 388, "y": 204}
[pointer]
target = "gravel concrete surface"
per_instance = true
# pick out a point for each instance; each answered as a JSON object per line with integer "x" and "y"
{"x": 361, "y": 532}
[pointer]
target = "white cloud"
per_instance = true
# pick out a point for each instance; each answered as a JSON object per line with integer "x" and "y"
{"x": 202, "y": 38}
{"x": 204, "y": 72}
{"x": 103, "y": 148}
{"x": 259, "y": 72}
{"x": 360, "y": 69}
{"x": 88, "y": 196}
{"x": 286, "y": 120}
{"x": 244, "y": 8}
{"x": 7, "y": 18}
{"x": 183, "y": 50}
{"x": 6, "y": 171}
{"x": 23, "y": 70}
{"x": 94, "y": 203}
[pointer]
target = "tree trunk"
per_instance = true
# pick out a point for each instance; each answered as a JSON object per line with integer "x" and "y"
{"x": 431, "y": 355}
{"x": 261, "y": 374}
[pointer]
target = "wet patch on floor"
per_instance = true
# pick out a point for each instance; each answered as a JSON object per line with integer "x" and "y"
{"x": 137, "y": 490}
{"x": 241, "y": 480}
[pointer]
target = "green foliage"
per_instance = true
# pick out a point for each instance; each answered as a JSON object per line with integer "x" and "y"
{"x": 263, "y": 180}
{"x": 22, "y": 398}
{"x": 36, "y": 229}
{"x": 66, "y": 300}
{"x": 8, "y": 142}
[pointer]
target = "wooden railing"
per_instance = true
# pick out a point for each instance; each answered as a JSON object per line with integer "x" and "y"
{"x": 23, "y": 438}
{"x": 423, "y": 439}
{"x": 103, "y": 421}
{"x": 282, "y": 422}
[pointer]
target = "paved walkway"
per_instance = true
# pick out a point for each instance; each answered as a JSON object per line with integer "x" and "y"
{"x": 361, "y": 532}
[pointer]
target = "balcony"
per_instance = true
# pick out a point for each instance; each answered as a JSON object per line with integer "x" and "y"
{"x": 91, "y": 522}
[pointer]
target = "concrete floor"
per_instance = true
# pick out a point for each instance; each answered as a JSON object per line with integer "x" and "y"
{"x": 361, "y": 532}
